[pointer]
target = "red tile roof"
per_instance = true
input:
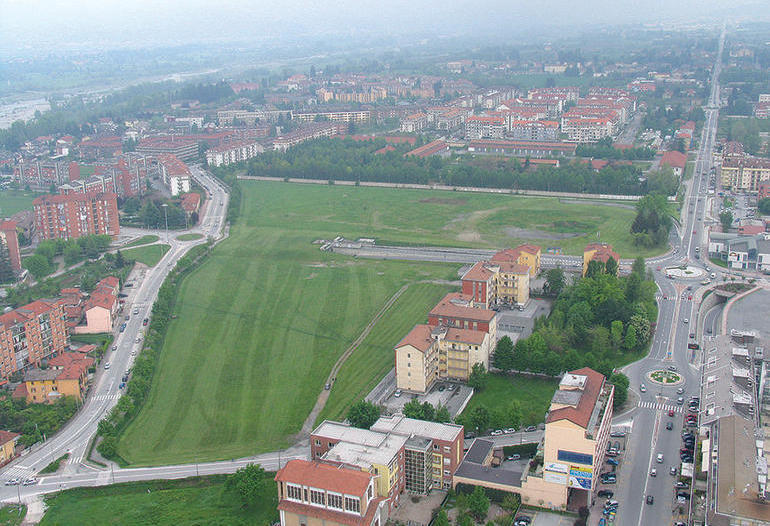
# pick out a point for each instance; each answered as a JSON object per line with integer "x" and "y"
{"x": 446, "y": 308}
{"x": 419, "y": 338}
{"x": 478, "y": 272}
{"x": 512, "y": 268}
{"x": 513, "y": 254}
{"x": 325, "y": 476}
{"x": 674, "y": 159}
{"x": 581, "y": 414}
{"x": 603, "y": 252}
{"x": 7, "y": 436}
{"x": 465, "y": 336}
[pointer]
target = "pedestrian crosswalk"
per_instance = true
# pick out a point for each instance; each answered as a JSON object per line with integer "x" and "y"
{"x": 113, "y": 396}
{"x": 660, "y": 407}
{"x": 21, "y": 472}
{"x": 74, "y": 460}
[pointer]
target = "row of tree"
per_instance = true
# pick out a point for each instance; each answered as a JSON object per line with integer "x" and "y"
{"x": 653, "y": 222}
{"x": 35, "y": 421}
{"x": 598, "y": 322}
{"x": 345, "y": 159}
{"x": 42, "y": 262}
{"x": 604, "y": 149}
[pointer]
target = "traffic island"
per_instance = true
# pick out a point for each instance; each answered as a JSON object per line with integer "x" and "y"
{"x": 661, "y": 377}
{"x": 685, "y": 272}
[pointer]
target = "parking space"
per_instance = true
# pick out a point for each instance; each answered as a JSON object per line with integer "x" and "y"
{"x": 453, "y": 396}
{"x": 547, "y": 518}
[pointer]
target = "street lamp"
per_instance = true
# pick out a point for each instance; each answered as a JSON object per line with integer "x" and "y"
{"x": 165, "y": 213}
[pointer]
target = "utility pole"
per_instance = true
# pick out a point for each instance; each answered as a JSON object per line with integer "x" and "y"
{"x": 165, "y": 213}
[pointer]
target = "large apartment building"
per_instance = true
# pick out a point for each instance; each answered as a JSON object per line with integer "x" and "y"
{"x": 174, "y": 173}
{"x": 484, "y": 127}
{"x": 744, "y": 173}
{"x": 30, "y": 333}
{"x": 75, "y": 215}
{"x": 233, "y": 153}
{"x": 458, "y": 336}
{"x": 568, "y": 460}
{"x": 10, "y": 238}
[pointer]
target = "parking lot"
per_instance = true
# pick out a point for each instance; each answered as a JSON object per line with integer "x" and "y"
{"x": 454, "y": 396}
{"x": 546, "y": 518}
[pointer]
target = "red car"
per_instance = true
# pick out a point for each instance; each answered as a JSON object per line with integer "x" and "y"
{"x": 145, "y": 321}
{"x": 670, "y": 412}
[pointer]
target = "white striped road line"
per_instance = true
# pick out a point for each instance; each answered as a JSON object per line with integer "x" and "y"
{"x": 17, "y": 472}
{"x": 661, "y": 407}
{"x": 113, "y": 396}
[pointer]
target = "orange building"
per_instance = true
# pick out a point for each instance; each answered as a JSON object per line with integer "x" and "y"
{"x": 7, "y": 446}
{"x": 66, "y": 375}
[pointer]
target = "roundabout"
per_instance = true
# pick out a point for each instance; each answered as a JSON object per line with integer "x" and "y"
{"x": 662, "y": 377}
{"x": 685, "y": 272}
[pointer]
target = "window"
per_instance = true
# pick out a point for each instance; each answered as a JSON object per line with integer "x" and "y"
{"x": 305, "y": 494}
{"x": 334, "y": 501}
{"x": 408, "y": 355}
{"x": 446, "y": 449}
{"x": 408, "y": 364}
{"x": 317, "y": 497}
{"x": 370, "y": 491}
{"x": 447, "y": 472}
{"x": 352, "y": 504}
{"x": 317, "y": 442}
{"x": 435, "y": 447}
{"x": 293, "y": 492}
{"x": 577, "y": 458}
{"x": 331, "y": 444}
{"x": 447, "y": 460}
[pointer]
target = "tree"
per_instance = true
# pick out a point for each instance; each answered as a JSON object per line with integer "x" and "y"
{"x": 478, "y": 503}
{"x": 119, "y": 261}
{"x": 621, "y": 383}
{"x": 413, "y": 409}
{"x": 442, "y": 519}
{"x": 479, "y": 419}
{"x": 464, "y": 520}
{"x": 616, "y": 334}
{"x": 726, "y": 218}
{"x": 442, "y": 414}
{"x": 108, "y": 447}
{"x": 428, "y": 412}
{"x": 555, "y": 281}
{"x": 363, "y": 414}
{"x": 72, "y": 254}
{"x": 248, "y": 482}
{"x": 611, "y": 267}
{"x": 7, "y": 274}
{"x": 478, "y": 377}
{"x": 639, "y": 267}
{"x": 631, "y": 341}
{"x": 503, "y": 357}
{"x": 763, "y": 205}
{"x": 38, "y": 266}
{"x": 594, "y": 268}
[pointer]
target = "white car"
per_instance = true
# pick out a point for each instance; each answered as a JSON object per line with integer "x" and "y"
{"x": 107, "y": 365}
{"x": 659, "y": 459}
{"x": 686, "y": 320}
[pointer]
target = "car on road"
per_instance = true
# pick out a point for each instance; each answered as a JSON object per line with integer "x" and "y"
{"x": 672, "y": 471}
{"x": 680, "y": 390}
{"x": 653, "y": 472}
{"x": 672, "y": 368}
{"x": 679, "y": 401}
{"x": 643, "y": 388}
{"x": 122, "y": 385}
{"x": 669, "y": 426}
{"x": 397, "y": 393}
{"x": 123, "y": 327}
{"x": 12, "y": 482}
{"x": 138, "y": 339}
{"x": 659, "y": 458}
{"x": 530, "y": 429}
{"x": 670, "y": 412}
{"x": 136, "y": 311}
{"x": 650, "y": 499}
{"x": 30, "y": 481}
{"x": 605, "y": 493}
{"x": 145, "y": 321}
{"x": 107, "y": 365}
{"x": 686, "y": 320}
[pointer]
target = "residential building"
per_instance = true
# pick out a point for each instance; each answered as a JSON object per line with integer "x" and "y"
{"x": 311, "y": 492}
{"x": 66, "y": 375}
{"x": 191, "y": 203}
{"x": 75, "y": 215}
{"x": 741, "y": 252}
{"x": 101, "y": 147}
{"x": 743, "y": 173}
{"x": 183, "y": 148}
{"x": 417, "y": 360}
{"x": 496, "y": 283}
{"x": 233, "y": 153}
{"x": 526, "y": 254}
{"x": 457, "y": 310}
{"x": 601, "y": 252}
{"x": 343, "y": 116}
{"x": 307, "y": 132}
{"x": 539, "y": 131}
{"x": 484, "y": 127}
{"x": 95, "y": 183}
{"x": 584, "y": 130}
{"x": 414, "y": 123}
{"x": 174, "y": 173}
{"x": 675, "y": 160}
{"x": 568, "y": 460}
{"x": 30, "y": 333}
{"x": 101, "y": 307}
{"x": 10, "y": 238}
{"x": 7, "y": 446}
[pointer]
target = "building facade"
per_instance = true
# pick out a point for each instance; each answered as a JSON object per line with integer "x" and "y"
{"x": 174, "y": 173}
{"x": 30, "y": 333}
{"x": 75, "y": 215}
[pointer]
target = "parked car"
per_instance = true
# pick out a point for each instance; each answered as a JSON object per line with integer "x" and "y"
{"x": 531, "y": 429}
{"x": 672, "y": 471}
{"x": 680, "y": 485}
{"x": 618, "y": 434}
{"x": 650, "y": 499}
{"x": 509, "y": 431}
{"x": 107, "y": 365}
{"x": 515, "y": 456}
{"x": 30, "y": 481}
{"x": 114, "y": 347}
{"x": 605, "y": 493}
{"x": 653, "y": 472}
{"x": 522, "y": 520}
{"x": 397, "y": 393}
{"x": 612, "y": 462}
{"x": 145, "y": 321}
{"x": 12, "y": 482}
{"x": 660, "y": 458}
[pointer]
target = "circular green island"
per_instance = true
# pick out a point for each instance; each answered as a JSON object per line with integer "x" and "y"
{"x": 189, "y": 237}
{"x": 664, "y": 377}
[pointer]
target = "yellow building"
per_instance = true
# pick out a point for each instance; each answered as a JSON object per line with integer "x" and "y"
{"x": 598, "y": 252}
{"x": 66, "y": 375}
{"x": 527, "y": 255}
{"x": 417, "y": 360}
{"x": 744, "y": 174}
{"x": 7, "y": 446}
{"x": 569, "y": 459}
{"x": 512, "y": 283}
{"x": 428, "y": 354}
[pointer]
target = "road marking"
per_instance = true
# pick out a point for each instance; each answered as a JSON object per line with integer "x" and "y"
{"x": 660, "y": 407}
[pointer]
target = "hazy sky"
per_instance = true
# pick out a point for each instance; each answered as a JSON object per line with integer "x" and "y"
{"x": 43, "y": 25}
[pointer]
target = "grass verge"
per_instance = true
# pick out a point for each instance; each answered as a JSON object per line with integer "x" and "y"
{"x": 54, "y": 466}
{"x": 189, "y": 237}
{"x": 148, "y": 255}
{"x": 144, "y": 240}
{"x": 192, "y": 501}
{"x": 12, "y": 515}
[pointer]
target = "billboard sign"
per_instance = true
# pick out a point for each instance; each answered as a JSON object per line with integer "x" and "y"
{"x": 581, "y": 477}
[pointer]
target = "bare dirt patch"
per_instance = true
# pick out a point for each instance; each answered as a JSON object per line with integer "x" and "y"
{"x": 444, "y": 201}
{"x": 529, "y": 233}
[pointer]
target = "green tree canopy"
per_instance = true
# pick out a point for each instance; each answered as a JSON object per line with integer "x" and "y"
{"x": 363, "y": 414}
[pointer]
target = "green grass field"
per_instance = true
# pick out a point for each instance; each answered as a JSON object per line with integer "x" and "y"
{"x": 12, "y": 201}
{"x": 189, "y": 237}
{"x": 149, "y": 255}
{"x": 534, "y": 395}
{"x": 375, "y": 354}
{"x": 194, "y": 501}
{"x": 144, "y": 240}
{"x": 11, "y": 515}
{"x": 261, "y": 323}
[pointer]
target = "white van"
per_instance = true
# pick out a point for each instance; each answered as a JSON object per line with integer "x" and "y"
{"x": 713, "y": 275}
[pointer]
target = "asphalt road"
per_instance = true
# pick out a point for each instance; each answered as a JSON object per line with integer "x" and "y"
{"x": 74, "y": 437}
{"x": 669, "y": 348}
